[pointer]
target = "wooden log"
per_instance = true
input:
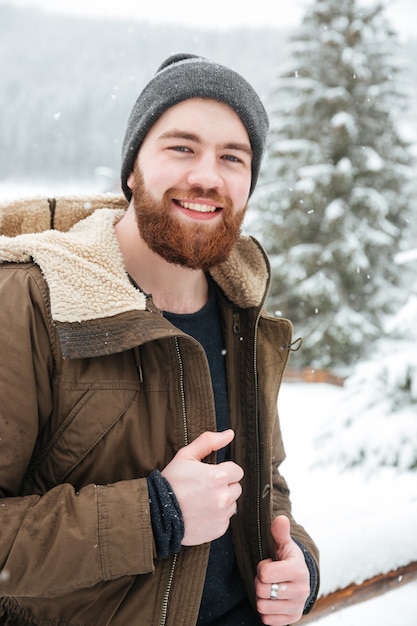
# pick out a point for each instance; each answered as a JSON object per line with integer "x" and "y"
{"x": 354, "y": 594}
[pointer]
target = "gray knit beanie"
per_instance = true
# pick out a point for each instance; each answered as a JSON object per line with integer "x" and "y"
{"x": 184, "y": 76}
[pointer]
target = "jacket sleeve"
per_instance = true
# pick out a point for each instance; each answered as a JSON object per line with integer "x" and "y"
{"x": 63, "y": 540}
{"x": 282, "y": 506}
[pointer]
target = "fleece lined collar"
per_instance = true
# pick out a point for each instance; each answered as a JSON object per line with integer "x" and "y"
{"x": 82, "y": 262}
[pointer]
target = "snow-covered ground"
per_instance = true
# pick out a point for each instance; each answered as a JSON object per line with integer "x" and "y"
{"x": 364, "y": 524}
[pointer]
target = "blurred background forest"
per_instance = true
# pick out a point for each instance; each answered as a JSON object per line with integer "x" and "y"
{"x": 67, "y": 84}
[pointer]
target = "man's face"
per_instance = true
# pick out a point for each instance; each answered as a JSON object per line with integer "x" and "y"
{"x": 191, "y": 183}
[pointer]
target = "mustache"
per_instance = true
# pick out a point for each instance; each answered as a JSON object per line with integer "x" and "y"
{"x": 194, "y": 193}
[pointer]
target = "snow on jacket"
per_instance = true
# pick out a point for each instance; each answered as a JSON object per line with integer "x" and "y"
{"x": 97, "y": 390}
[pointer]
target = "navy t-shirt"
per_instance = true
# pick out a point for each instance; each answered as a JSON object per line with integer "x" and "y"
{"x": 224, "y": 595}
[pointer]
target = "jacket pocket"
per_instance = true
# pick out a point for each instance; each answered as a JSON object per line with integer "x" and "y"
{"x": 92, "y": 417}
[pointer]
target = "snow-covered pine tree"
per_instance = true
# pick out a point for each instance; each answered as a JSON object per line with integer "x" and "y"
{"x": 377, "y": 411}
{"x": 332, "y": 202}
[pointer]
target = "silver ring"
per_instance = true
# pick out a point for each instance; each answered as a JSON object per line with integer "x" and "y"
{"x": 274, "y": 591}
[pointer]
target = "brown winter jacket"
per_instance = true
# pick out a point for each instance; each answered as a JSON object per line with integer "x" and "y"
{"x": 98, "y": 389}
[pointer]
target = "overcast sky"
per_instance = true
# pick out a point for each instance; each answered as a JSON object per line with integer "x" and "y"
{"x": 216, "y": 13}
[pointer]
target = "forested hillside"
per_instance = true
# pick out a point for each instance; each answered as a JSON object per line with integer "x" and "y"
{"x": 67, "y": 84}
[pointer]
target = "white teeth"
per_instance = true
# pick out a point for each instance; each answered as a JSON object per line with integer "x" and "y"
{"x": 201, "y": 208}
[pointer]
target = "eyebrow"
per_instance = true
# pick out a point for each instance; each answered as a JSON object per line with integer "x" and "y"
{"x": 181, "y": 134}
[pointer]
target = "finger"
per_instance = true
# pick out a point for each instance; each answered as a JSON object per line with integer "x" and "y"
{"x": 227, "y": 496}
{"x": 206, "y": 443}
{"x": 280, "y": 530}
{"x": 276, "y": 613}
{"x": 263, "y": 590}
{"x": 229, "y": 472}
{"x": 262, "y": 571}
{"x": 233, "y": 493}
{"x": 269, "y": 571}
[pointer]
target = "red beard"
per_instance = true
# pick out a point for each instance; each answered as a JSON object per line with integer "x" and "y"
{"x": 195, "y": 246}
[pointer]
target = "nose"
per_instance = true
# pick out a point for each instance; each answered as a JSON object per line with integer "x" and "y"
{"x": 205, "y": 172}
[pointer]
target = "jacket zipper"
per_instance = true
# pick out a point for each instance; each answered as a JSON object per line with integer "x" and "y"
{"x": 165, "y": 599}
{"x": 182, "y": 393}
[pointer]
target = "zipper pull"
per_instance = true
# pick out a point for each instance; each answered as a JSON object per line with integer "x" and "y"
{"x": 296, "y": 345}
{"x": 236, "y": 323}
{"x": 138, "y": 363}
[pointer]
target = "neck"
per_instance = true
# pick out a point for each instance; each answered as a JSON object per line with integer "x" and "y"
{"x": 174, "y": 288}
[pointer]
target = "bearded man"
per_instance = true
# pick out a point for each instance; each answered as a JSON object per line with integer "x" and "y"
{"x": 139, "y": 472}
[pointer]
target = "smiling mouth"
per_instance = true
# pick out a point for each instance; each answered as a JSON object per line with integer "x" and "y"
{"x": 199, "y": 208}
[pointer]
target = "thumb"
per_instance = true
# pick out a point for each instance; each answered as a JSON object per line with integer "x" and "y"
{"x": 280, "y": 530}
{"x": 206, "y": 443}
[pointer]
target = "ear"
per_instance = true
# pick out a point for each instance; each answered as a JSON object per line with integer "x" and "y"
{"x": 130, "y": 181}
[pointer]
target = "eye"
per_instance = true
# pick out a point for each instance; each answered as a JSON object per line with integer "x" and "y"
{"x": 244, "y": 161}
{"x": 232, "y": 158}
{"x": 180, "y": 148}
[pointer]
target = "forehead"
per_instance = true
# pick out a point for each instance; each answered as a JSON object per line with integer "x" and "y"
{"x": 200, "y": 115}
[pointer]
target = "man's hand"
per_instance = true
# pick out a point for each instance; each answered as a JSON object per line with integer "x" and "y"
{"x": 291, "y": 574}
{"x": 206, "y": 493}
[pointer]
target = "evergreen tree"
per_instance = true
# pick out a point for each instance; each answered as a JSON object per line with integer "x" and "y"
{"x": 376, "y": 421}
{"x": 333, "y": 201}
